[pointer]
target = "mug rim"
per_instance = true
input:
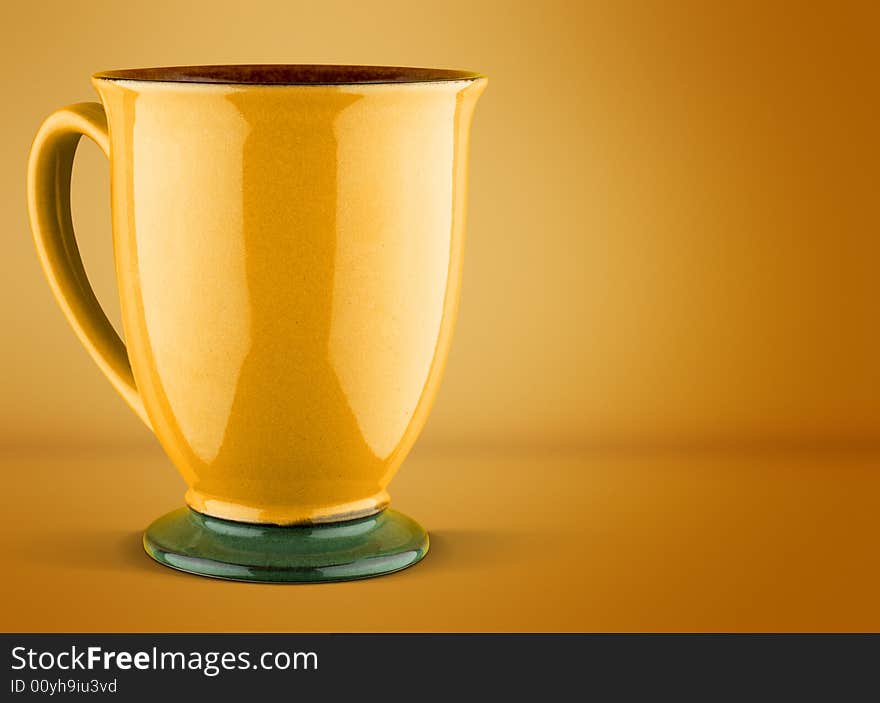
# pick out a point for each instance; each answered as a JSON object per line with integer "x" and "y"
{"x": 289, "y": 74}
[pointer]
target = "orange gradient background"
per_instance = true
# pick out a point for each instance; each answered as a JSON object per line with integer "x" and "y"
{"x": 673, "y": 242}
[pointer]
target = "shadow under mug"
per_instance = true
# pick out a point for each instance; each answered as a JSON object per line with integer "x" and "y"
{"x": 288, "y": 249}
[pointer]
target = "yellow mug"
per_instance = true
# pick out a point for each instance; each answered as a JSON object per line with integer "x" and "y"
{"x": 288, "y": 248}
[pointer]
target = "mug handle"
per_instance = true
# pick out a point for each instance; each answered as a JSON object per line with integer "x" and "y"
{"x": 48, "y": 192}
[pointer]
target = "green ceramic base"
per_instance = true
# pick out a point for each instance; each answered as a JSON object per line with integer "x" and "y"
{"x": 337, "y": 551}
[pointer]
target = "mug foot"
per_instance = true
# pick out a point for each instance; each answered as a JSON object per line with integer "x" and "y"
{"x": 338, "y": 551}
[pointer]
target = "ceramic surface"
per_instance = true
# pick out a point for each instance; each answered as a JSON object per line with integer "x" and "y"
{"x": 288, "y": 258}
{"x": 371, "y": 546}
